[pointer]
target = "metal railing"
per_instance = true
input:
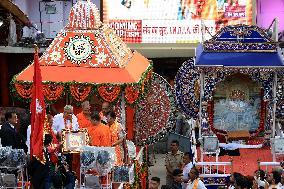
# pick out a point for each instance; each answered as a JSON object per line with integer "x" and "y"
{"x": 268, "y": 164}
{"x": 216, "y": 169}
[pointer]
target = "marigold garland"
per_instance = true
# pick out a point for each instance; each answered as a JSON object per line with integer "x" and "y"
{"x": 24, "y": 90}
{"x": 144, "y": 82}
{"x": 131, "y": 94}
{"x": 53, "y": 91}
{"x": 80, "y": 92}
{"x": 109, "y": 93}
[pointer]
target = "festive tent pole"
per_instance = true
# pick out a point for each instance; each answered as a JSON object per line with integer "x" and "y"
{"x": 201, "y": 76}
{"x": 203, "y": 30}
{"x": 274, "y": 104}
{"x": 122, "y": 107}
{"x": 200, "y": 101}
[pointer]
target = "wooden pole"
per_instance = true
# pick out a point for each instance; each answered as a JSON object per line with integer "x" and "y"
{"x": 4, "y": 80}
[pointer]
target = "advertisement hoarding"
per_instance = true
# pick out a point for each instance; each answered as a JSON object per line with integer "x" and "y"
{"x": 173, "y": 21}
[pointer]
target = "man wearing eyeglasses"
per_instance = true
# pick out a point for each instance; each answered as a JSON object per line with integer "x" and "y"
{"x": 65, "y": 120}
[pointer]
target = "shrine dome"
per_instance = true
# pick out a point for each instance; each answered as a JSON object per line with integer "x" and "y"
{"x": 84, "y": 43}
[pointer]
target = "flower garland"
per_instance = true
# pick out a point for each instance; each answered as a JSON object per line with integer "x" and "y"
{"x": 131, "y": 94}
{"x": 80, "y": 92}
{"x": 144, "y": 168}
{"x": 53, "y": 92}
{"x": 24, "y": 90}
{"x": 65, "y": 123}
{"x": 109, "y": 93}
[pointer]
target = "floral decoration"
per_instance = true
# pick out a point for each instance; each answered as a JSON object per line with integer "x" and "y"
{"x": 79, "y": 49}
{"x": 53, "y": 92}
{"x": 109, "y": 93}
{"x": 155, "y": 113}
{"x": 80, "y": 92}
{"x": 131, "y": 93}
{"x": 24, "y": 90}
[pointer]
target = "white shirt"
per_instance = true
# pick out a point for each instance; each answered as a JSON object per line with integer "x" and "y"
{"x": 185, "y": 172}
{"x": 28, "y": 142}
{"x": 280, "y": 186}
{"x": 58, "y": 123}
{"x": 200, "y": 185}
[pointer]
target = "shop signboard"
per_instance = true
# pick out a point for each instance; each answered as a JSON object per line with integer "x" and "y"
{"x": 173, "y": 21}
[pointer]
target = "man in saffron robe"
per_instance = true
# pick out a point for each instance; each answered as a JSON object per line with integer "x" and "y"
{"x": 84, "y": 118}
{"x": 84, "y": 121}
{"x": 117, "y": 136}
{"x": 100, "y": 134}
{"x": 105, "y": 109}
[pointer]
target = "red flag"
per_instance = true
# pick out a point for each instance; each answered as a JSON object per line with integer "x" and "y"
{"x": 38, "y": 112}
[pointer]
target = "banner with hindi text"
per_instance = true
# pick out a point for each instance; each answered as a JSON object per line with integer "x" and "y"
{"x": 173, "y": 21}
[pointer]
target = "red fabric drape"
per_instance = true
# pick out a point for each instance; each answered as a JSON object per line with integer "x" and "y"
{"x": 38, "y": 112}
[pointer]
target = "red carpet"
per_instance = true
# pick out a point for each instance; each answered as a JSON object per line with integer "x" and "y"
{"x": 246, "y": 163}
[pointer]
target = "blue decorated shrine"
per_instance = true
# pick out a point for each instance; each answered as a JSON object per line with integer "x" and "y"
{"x": 233, "y": 83}
{"x": 234, "y": 86}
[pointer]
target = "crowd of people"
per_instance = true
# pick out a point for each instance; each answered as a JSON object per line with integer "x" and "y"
{"x": 181, "y": 173}
{"x": 105, "y": 131}
{"x": 61, "y": 169}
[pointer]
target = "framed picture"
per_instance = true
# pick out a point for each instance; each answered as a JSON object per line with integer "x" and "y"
{"x": 278, "y": 144}
{"x": 210, "y": 144}
{"x": 92, "y": 181}
{"x": 74, "y": 140}
{"x": 121, "y": 174}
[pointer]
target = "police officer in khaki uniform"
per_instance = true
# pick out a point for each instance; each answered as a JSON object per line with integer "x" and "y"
{"x": 173, "y": 160}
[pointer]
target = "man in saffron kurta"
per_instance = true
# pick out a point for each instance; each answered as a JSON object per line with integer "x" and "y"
{"x": 84, "y": 118}
{"x": 100, "y": 133}
{"x": 84, "y": 121}
{"x": 117, "y": 136}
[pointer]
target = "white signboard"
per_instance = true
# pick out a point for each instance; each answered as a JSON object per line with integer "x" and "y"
{"x": 173, "y": 21}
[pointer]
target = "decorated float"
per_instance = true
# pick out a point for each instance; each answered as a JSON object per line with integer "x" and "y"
{"x": 234, "y": 88}
{"x": 87, "y": 60}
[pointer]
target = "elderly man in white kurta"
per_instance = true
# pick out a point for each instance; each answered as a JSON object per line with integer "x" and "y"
{"x": 65, "y": 120}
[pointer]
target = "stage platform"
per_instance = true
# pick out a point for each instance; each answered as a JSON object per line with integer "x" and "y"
{"x": 246, "y": 162}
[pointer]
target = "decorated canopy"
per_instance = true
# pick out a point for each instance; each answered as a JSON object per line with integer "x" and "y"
{"x": 237, "y": 46}
{"x": 88, "y": 56}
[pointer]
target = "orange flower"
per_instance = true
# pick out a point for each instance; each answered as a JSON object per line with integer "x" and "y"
{"x": 80, "y": 92}
{"x": 131, "y": 94}
{"x": 52, "y": 91}
{"x": 24, "y": 90}
{"x": 109, "y": 93}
